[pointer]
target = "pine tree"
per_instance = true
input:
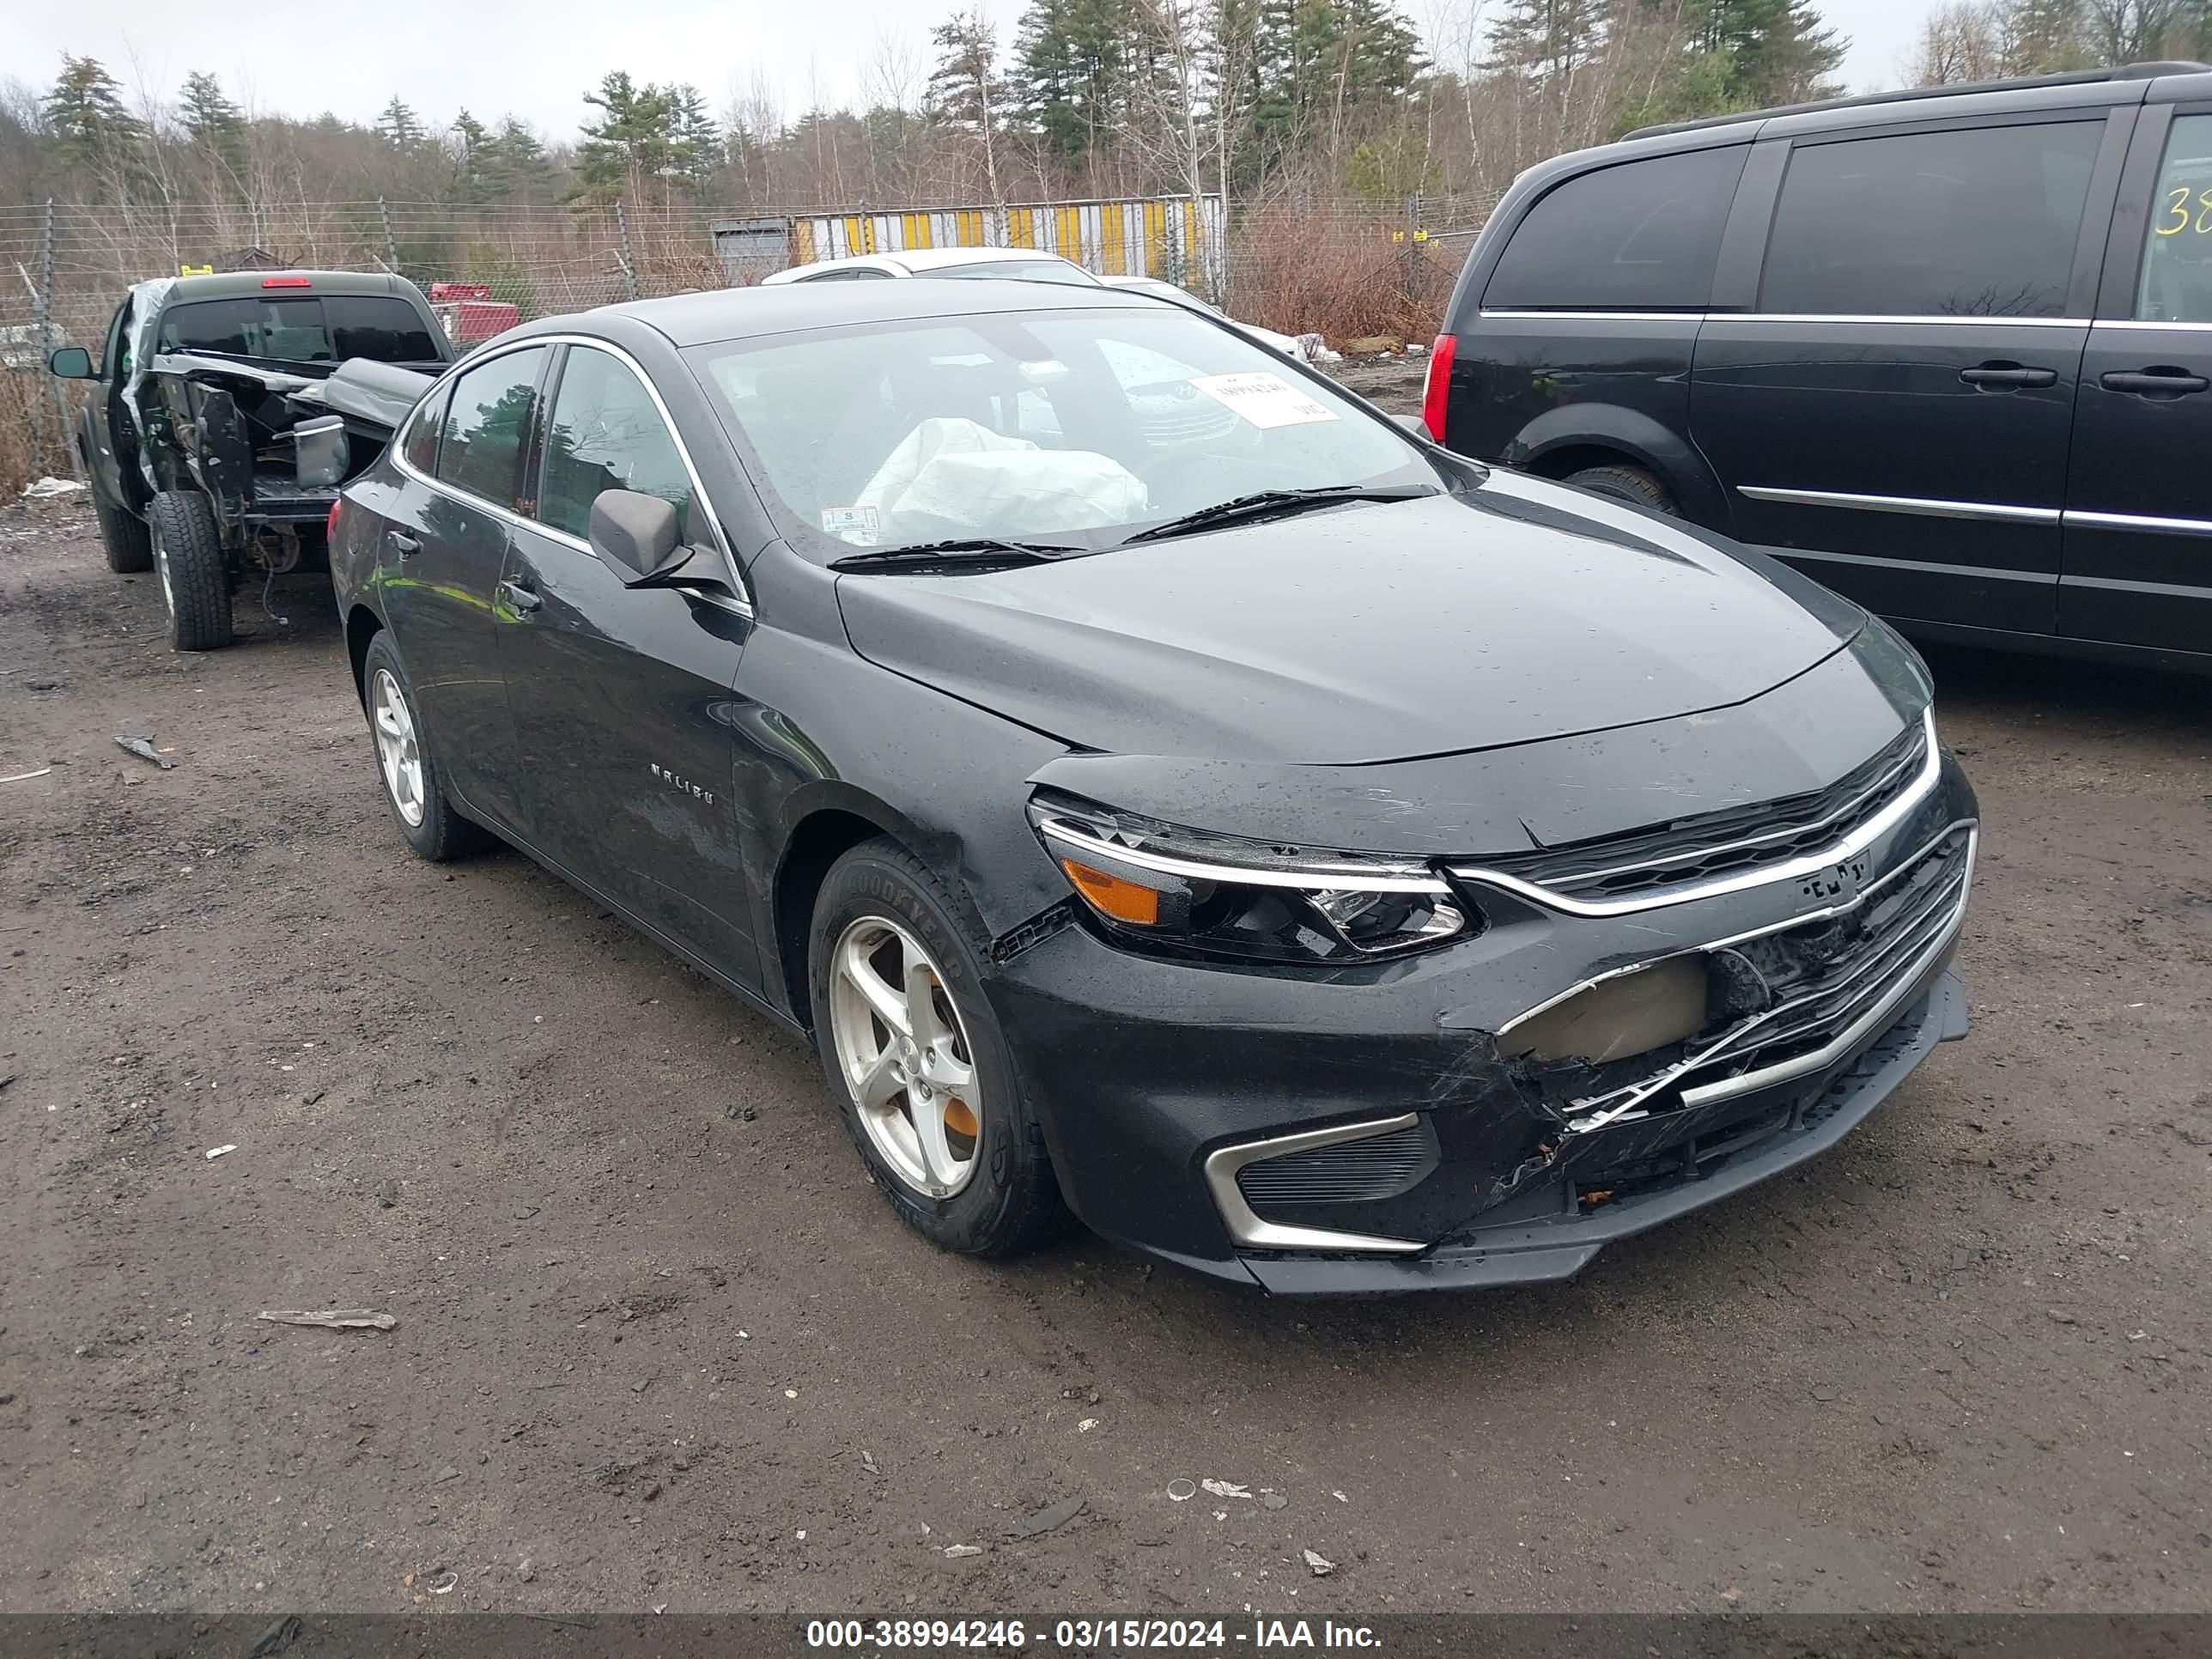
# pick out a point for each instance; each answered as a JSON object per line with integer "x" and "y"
{"x": 473, "y": 184}
{"x": 401, "y": 127}
{"x": 965, "y": 92}
{"x": 216, "y": 125}
{"x": 695, "y": 139}
{"x": 1072, "y": 61}
{"x": 1779, "y": 52}
{"x": 629, "y": 148}
{"x": 2042, "y": 37}
{"x": 516, "y": 168}
{"x": 1547, "y": 40}
{"x": 85, "y": 111}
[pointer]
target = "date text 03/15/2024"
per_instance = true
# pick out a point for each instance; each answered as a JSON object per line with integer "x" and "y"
{"x": 1084, "y": 1635}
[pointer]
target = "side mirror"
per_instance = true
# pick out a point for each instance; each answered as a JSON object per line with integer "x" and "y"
{"x": 1416, "y": 425}
{"x": 636, "y": 535}
{"x": 71, "y": 363}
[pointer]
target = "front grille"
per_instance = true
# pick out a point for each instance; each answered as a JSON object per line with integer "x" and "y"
{"x": 1801, "y": 990}
{"x": 1349, "y": 1172}
{"x": 1647, "y": 863}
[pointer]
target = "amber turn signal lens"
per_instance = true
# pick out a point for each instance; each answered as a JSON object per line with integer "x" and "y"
{"x": 1110, "y": 896}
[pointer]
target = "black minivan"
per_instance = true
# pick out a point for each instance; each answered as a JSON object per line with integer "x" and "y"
{"x": 1948, "y": 351}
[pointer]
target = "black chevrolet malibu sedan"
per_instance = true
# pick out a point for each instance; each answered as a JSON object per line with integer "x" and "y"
{"x": 1163, "y": 787}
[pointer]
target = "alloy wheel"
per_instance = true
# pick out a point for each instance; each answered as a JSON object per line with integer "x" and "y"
{"x": 396, "y": 749}
{"x": 903, "y": 1052}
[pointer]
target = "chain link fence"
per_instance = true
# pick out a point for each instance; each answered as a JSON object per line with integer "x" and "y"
{"x": 1347, "y": 271}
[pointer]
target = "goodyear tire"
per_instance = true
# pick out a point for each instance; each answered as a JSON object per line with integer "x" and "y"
{"x": 195, "y": 583}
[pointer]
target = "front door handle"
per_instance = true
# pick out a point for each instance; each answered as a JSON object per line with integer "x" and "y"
{"x": 402, "y": 543}
{"x": 2007, "y": 374}
{"x": 2159, "y": 380}
{"x": 519, "y": 597}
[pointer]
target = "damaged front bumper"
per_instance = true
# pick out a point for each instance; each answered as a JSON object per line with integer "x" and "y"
{"x": 1363, "y": 1130}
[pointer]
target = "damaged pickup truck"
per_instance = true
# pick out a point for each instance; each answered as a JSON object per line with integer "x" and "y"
{"x": 227, "y": 413}
{"x": 1310, "y": 856}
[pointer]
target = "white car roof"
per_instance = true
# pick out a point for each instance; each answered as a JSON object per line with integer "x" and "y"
{"x": 914, "y": 261}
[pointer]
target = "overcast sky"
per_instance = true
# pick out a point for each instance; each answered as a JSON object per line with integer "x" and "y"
{"x": 537, "y": 59}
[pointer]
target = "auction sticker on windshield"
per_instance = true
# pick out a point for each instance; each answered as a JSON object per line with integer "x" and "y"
{"x": 1264, "y": 400}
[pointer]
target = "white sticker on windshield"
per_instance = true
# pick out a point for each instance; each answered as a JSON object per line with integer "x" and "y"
{"x": 1264, "y": 400}
{"x": 855, "y": 524}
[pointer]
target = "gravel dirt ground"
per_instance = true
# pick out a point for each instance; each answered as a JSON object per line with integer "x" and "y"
{"x": 659, "y": 1344}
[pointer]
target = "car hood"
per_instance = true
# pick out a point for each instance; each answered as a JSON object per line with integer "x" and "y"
{"x": 1513, "y": 613}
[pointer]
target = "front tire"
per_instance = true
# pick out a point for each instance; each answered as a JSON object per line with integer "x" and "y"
{"x": 123, "y": 535}
{"x": 195, "y": 582}
{"x": 414, "y": 782}
{"x": 917, "y": 1063}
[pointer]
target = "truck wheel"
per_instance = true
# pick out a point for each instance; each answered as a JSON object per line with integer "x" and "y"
{"x": 917, "y": 1064}
{"x": 123, "y": 535}
{"x": 414, "y": 785}
{"x": 195, "y": 586}
{"x": 1632, "y": 485}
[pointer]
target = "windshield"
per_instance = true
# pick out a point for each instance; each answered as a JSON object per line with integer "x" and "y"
{"x": 300, "y": 329}
{"x": 1078, "y": 428}
{"x": 1020, "y": 271}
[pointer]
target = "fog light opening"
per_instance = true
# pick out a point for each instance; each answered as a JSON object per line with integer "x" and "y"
{"x": 1628, "y": 1014}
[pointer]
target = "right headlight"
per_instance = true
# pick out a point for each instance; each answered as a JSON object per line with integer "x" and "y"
{"x": 1218, "y": 895}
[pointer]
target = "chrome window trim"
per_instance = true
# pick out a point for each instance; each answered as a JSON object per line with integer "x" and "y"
{"x": 1836, "y": 852}
{"x": 2138, "y": 324}
{"x": 1916, "y": 506}
{"x": 1592, "y": 316}
{"x": 1247, "y": 1230}
{"x": 743, "y": 601}
{"x": 1800, "y": 317}
{"x": 2141, "y": 521}
{"x": 1917, "y": 318}
{"x": 1388, "y": 877}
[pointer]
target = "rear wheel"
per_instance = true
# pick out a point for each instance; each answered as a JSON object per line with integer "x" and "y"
{"x": 917, "y": 1063}
{"x": 123, "y": 535}
{"x": 195, "y": 584}
{"x": 1632, "y": 485}
{"x": 414, "y": 784}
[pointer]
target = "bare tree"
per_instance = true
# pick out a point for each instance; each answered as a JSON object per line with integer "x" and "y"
{"x": 1960, "y": 40}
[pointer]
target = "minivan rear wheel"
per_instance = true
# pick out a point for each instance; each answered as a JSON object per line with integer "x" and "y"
{"x": 1632, "y": 485}
{"x": 917, "y": 1063}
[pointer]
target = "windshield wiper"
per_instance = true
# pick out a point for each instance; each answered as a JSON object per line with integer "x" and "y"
{"x": 1271, "y": 503}
{"x": 974, "y": 550}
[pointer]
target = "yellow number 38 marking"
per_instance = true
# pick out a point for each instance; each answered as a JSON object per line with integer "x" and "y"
{"x": 2177, "y": 205}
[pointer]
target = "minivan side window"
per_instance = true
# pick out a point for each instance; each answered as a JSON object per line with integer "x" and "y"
{"x": 1639, "y": 236}
{"x": 488, "y": 424}
{"x": 605, "y": 433}
{"x": 2176, "y": 269}
{"x": 1970, "y": 221}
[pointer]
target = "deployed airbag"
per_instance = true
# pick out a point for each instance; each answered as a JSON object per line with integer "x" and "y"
{"x": 951, "y": 476}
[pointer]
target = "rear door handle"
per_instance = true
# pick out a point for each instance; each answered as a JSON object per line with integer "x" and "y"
{"x": 2009, "y": 375}
{"x": 401, "y": 543}
{"x": 2157, "y": 381}
{"x": 519, "y": 597}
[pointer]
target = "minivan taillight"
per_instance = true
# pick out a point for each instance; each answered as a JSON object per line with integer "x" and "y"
{"x": 1436, "y": 391}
